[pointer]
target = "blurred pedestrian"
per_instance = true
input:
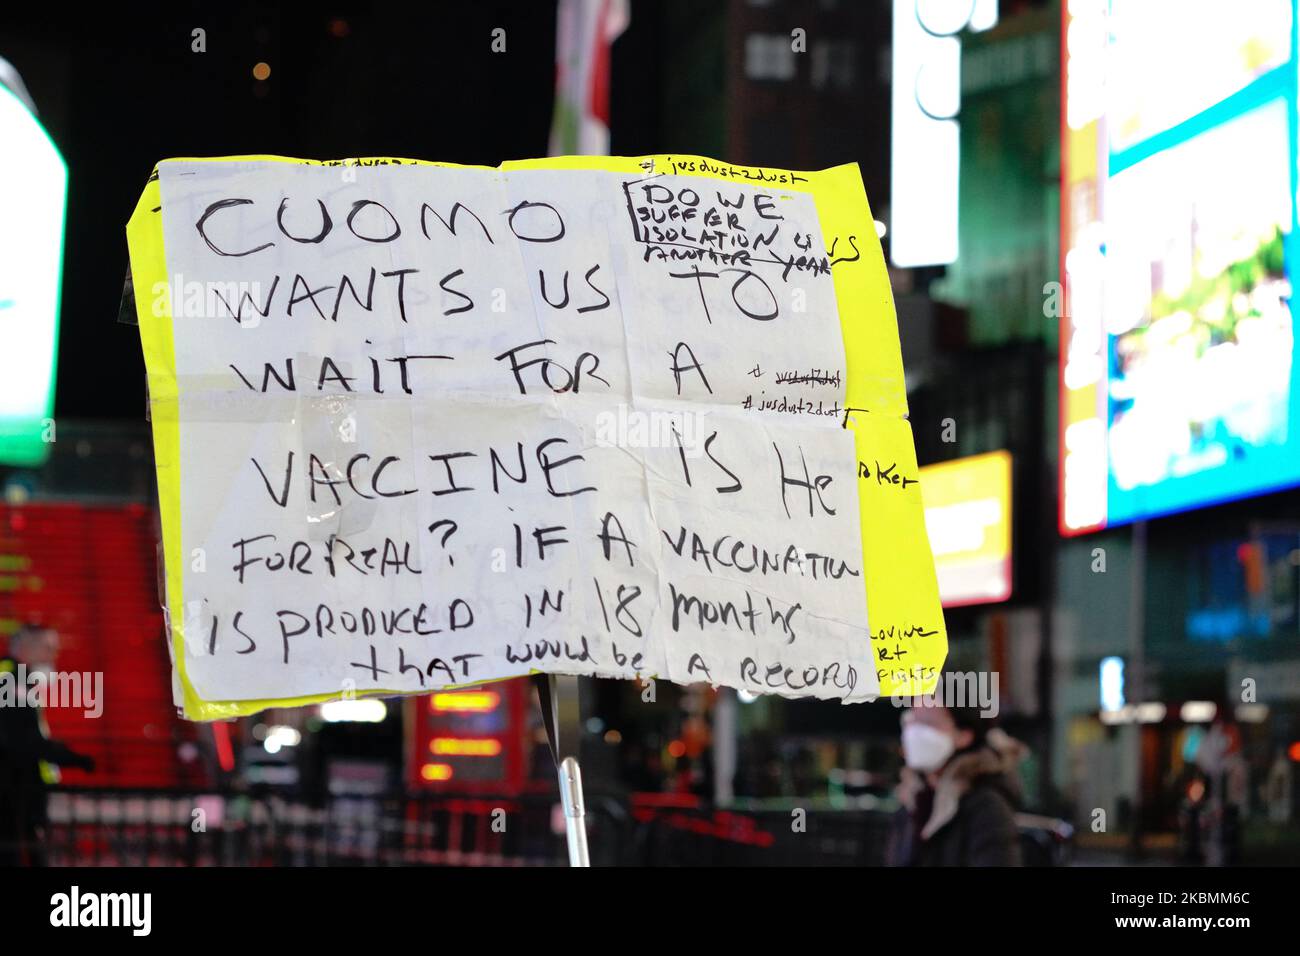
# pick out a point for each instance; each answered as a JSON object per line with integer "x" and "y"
{"x": 1220, "y": 757}
{"x": 1191, "y": 812}
{"x": 28, "y": 757}
{"x": 1278, "y": 787}
{"x": 958, "y": 791}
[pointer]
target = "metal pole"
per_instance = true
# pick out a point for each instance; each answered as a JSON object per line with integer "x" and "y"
{"x": 559, "y": 704}
{"x": 575, "y": 811}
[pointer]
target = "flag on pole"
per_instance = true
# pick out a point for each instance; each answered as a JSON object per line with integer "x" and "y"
{"x": 584, "y": 31}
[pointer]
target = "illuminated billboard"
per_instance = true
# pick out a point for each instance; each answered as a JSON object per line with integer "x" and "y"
{"x": 924, "y": 126}
{"x": 968, "y": 518}
{"x": 1178, "y": 217}
{"x": 33, "y": 192}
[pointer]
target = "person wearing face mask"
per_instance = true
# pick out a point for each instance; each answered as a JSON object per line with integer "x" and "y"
{"x": 958, "y": 791}
{"x": 29, "y": 759}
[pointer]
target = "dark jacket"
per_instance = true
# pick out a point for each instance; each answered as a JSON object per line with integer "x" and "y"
{"x": 23, "y": 747}
{"x": 967, "y": 818}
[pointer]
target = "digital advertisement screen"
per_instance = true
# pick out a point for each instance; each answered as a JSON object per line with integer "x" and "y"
{"x": 33, "y": 193}
{"x": 968, "y": 518}
{"x": 1178, "y": 379}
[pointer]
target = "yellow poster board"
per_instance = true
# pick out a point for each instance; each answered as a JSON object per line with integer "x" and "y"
{"x": 909, "y": 637}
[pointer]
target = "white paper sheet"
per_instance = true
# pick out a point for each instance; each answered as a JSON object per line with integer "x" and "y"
{"x": 595, "y": 430}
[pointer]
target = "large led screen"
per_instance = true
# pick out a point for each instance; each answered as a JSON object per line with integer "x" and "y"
{"x": 1178, "y": 378}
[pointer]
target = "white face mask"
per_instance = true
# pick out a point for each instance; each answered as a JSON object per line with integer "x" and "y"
{"x": 925, "y": 748}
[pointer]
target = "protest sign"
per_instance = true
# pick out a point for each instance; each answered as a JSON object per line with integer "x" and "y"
{"x": 420, "y": 425}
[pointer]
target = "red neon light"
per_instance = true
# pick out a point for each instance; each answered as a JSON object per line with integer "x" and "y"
{"x": 225, "y": 753}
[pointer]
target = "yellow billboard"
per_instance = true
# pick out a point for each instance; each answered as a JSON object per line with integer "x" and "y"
{"x": 968, "y": 517}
